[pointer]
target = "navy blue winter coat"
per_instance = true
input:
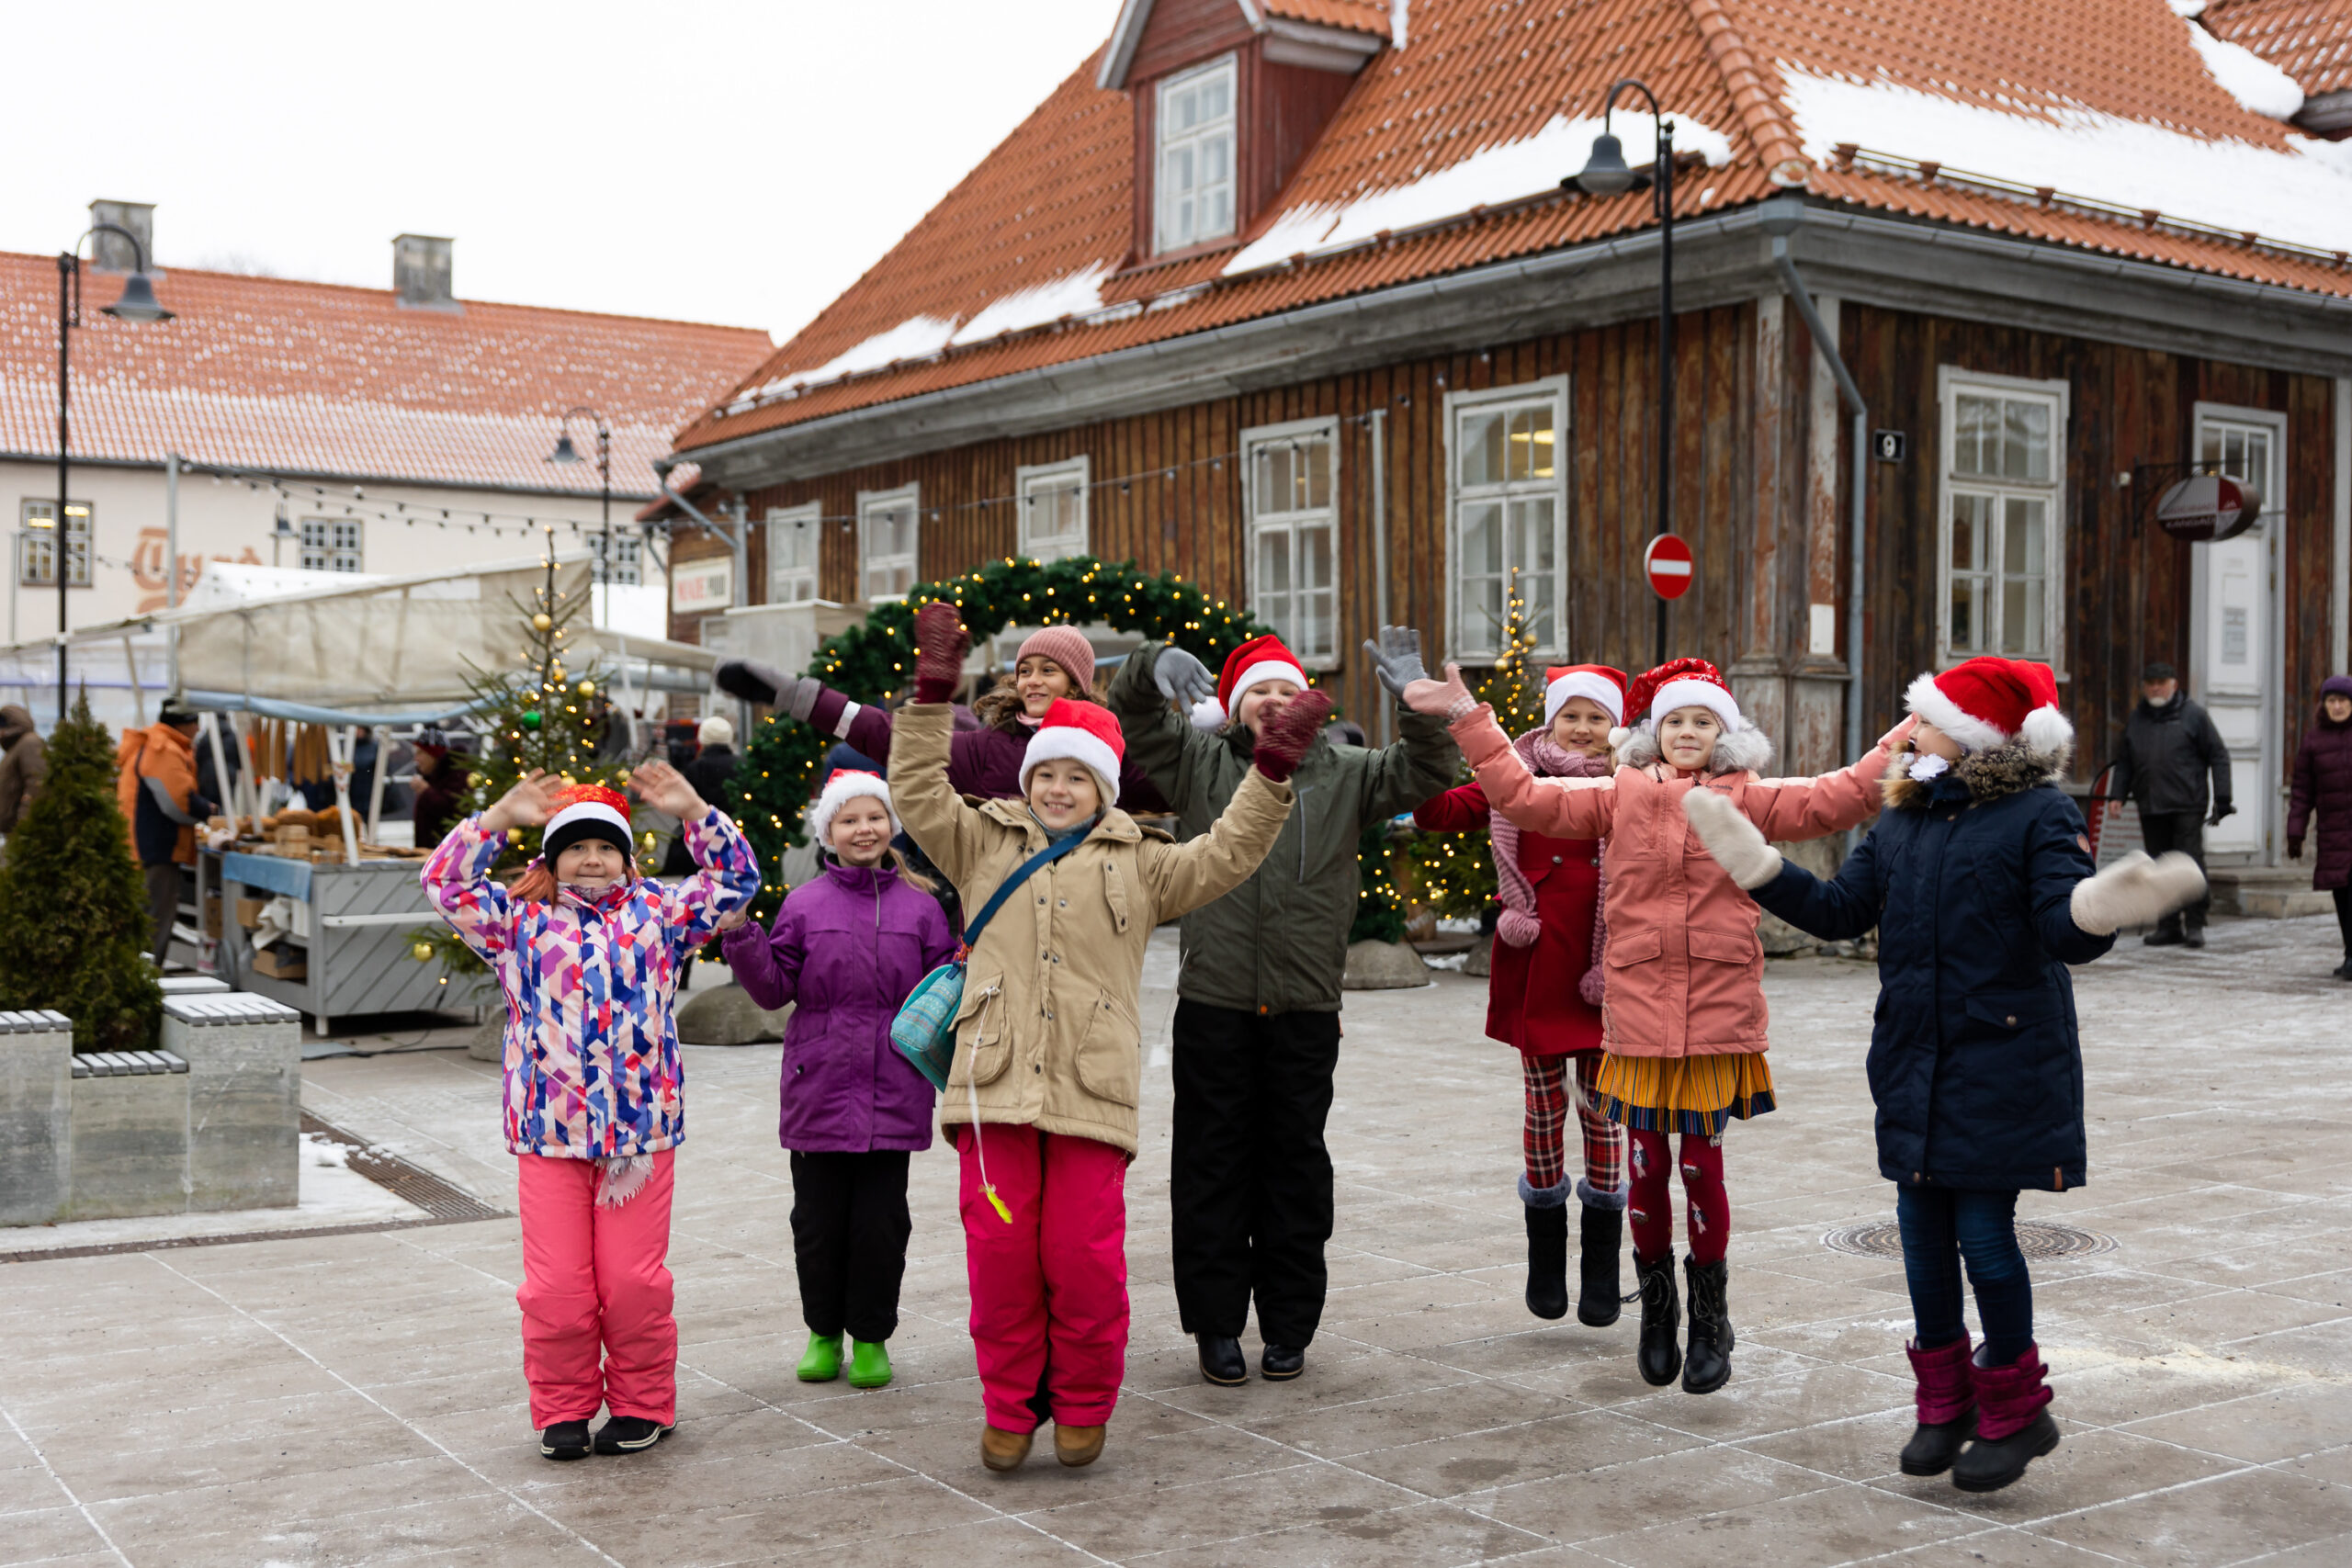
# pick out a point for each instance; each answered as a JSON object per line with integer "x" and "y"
{"x": 1975, "y": 1062}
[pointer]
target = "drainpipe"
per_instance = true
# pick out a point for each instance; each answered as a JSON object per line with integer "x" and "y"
{"x": 1780, "y": 219}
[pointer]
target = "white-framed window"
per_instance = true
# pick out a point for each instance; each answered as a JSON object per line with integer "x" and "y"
{"x": 889, "y": 533}
{"x": 1507, "y": 490}
{"x": 36, "y": 544}
{"x": 1193, "y": 173}
{"x": 1291, "y": 508}
{"x": 2001, "y": 520}
{"x": 1053, "y": 508}
{"x": 332, "y": 544}
{"x": 627, "y": 564}
{"x": 793, "y": 535}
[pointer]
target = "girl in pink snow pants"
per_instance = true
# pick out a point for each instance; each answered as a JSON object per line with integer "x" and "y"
{"x": 587, "y": 954}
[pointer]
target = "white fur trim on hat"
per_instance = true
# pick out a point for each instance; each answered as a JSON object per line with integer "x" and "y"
{"x": 839, "y": 792}
{"x": 1067, "y": 740}
{"x": 2047, "y": 730}
{"x": 1211, "y": 713}
{"x": 1585, "y": 683}
{"x": 1927, "y": 699}
{"x": 1687, "y": 692}
{"x": 586, "y": 811}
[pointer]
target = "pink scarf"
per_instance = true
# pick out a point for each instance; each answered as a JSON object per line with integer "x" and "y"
{"x": 1519, "y": 925}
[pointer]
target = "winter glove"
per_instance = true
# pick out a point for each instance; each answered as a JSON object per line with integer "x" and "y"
{"x": 1286, "y": 736}
{"x": 941, "y": 643}
{"x": 1396, "y": 659}
{"x": 1518, "y": 929}
{"x": 1448, "y": 699}
{"x": 2220, "y": 809}
{"x": 2294, "y": 849}
{"x": 1182, "y": 678}
{"x": 1735, "y": 842}
{"x": 2135, "y": 891}
{"x": 752, "y": 681}
{"x": 800, "y": 698}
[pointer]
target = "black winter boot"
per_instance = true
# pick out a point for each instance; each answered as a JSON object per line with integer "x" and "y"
{"x": 1600, "y": 1301}
{"x": 1708, "y": 1366}
{"x": 2013, "y": 1424}
{"x": 1547, "y": 1260}
{"x": 1660, "y": 1356}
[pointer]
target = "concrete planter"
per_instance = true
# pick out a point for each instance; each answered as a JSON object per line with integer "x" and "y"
{"x": 36, "y": 1116}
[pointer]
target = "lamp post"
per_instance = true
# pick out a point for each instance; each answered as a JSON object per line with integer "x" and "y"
{"x": 1605, "y": 173}
{"x": 567, "y": 453}
{"x": 138, "y": 304}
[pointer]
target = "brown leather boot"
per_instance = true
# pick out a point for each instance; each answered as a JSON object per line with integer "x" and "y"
{"x": 1076, "y": 1446}
{"x": 1003, "y": 1450}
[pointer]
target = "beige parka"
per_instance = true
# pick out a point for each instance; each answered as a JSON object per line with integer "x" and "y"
{"x": 1050, "y": 1035}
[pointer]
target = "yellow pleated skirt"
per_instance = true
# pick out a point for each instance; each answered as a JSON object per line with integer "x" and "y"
{"x": 1683, "y": 1094}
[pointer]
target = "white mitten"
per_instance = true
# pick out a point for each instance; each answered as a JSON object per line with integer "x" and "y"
{"x": 1731, "y": 838}
{"x": 2135, "y": 891}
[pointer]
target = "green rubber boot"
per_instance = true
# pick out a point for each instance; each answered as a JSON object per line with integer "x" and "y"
{"x": 821, "y": 1362}
{"x": 869, "y": 1364}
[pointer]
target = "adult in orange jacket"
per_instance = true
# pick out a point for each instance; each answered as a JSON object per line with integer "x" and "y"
{"x": 156, "y": 786}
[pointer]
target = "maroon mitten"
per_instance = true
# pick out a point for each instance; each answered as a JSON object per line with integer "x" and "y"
{"x": 941, "y": 643}
{"x": 1289, "y": 733}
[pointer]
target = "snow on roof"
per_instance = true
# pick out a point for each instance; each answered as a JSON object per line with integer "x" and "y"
{"x": 2309, "y": 39}
{"x": 2247, "y": 77}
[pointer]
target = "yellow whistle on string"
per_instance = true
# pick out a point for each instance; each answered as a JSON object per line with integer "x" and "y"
{"x": 997, "y": 1204}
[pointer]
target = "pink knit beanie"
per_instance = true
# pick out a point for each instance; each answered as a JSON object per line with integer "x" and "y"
{"x": 1067, "y": 646}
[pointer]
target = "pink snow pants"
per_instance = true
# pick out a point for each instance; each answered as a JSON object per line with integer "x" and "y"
{"x": 1049, "y": 1291}
{"x": 595, "y": 1279}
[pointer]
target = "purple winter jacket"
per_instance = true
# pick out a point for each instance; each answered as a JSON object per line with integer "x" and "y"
{"x": 2323, "y": 788}
{"x": 847, "y": 947}
{"x": 984, "y": 762}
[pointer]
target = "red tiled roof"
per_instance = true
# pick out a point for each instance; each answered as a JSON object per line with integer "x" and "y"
{"x": 1478, "y": 77}
{"x": 274, "y": 376}
{"x": 2309, "y": 39}
{"x": 1355, "y": 15}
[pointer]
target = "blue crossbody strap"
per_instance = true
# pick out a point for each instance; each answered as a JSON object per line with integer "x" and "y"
{"x": 1012, "y": 885}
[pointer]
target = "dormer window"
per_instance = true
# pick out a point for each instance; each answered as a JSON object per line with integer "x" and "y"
{"x": 1194, "y": 170}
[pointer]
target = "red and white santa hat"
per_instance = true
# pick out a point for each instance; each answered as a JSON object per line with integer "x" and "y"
{"x": 1680, "y": 684}
{"x": 587, "y": 811}
{"x": 1597, "y": 681}
{"x": 1084, "y": 732}
{"x": 1259, "y": 659}
{"x": 846, "y": 785}
{"x": 1990, "y": 700}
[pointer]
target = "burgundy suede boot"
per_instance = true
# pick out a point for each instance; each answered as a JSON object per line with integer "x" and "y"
{"x": 2013, "y": 1424}
{"x": 1947, "y": 1403}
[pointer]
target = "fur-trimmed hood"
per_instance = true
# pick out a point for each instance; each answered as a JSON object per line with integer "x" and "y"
{"x": 1745, "y": 750}
{"x": 2010, "y": 768}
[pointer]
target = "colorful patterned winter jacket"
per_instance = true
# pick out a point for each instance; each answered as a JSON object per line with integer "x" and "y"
{"x": 592, "y": 1052}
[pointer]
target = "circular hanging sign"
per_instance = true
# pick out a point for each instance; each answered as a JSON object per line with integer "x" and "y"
{"x": 1666, "y": 563}
{"x": 2208, "y": 508}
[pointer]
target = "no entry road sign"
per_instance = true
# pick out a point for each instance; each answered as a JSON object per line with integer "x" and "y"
{"x": 1667, "y": 564}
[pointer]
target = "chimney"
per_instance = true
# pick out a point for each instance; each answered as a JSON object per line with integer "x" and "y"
{"x": 112, "y": 252}
{"x": 421, "y": 273}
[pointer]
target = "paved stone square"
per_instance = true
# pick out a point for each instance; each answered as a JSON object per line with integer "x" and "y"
{"x": 357, "y": 1398}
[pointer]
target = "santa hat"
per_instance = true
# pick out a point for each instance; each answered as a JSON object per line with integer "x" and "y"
{"x": 588, "y": 811}
{"x": 1682, "y": 683}
{"x": 1990, "y": 700}
{"x": 1084, "y": 732}
{"x": 1597, "y": 681}
{"x": 1259, "y": 659}
{"x": 846, "y": 785}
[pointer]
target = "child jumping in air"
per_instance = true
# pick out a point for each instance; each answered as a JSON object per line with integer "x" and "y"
{"x": 1545, "y": 946}
{"x": 1978, "y": 879}
{"x": 586, "y": 953}
{"x": 847, "y": 947}
{"x": 1048, "y": 1065}
{"x": 1683, "y": 1021}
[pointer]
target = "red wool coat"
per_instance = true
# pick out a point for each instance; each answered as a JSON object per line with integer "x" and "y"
{"x": 1531, "y": 999}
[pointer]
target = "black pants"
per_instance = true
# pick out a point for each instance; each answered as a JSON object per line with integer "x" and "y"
{"x": 2184, "y": 830}
{"x": 162, "y": 905}
{"x": 1250, "y": 1179}
{"x": 849, "y": 1239}
{"x": 2344, "y": 920}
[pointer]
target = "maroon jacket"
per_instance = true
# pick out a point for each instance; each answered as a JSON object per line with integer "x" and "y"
{"x": 984, "y": 763}
{"x": 2323, "y": 784}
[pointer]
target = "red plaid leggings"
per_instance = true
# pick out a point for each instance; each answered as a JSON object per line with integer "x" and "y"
{"x": 1547, "y": 1118}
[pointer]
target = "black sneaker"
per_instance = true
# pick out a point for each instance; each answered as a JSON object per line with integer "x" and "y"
{"x": 565, "y": 1439}
{"x": 2193, "y": 937}
{"x": 2344, "y": 970}
{"x": 1221, "y": 1360}
{"x": 629, "y": 1435}
{"x": 1279, "y": 1363}
{"x": 2162, "y": 938}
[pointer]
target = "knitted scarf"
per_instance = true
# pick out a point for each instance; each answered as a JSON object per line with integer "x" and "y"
{"x": 1519, "y": 925}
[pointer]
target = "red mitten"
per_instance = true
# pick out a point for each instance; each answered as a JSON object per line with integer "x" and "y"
{"x": 941, "y": 643}
{"x": 1289, "y": 733}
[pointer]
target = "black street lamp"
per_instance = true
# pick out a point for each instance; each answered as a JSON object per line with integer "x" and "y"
{"x": 138, "y": 304}
{"x": 1606, "y": 173}
{"x": 566, "y": 453}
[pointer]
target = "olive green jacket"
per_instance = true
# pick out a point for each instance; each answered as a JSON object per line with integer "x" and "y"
{"x": 1279, "y": 943}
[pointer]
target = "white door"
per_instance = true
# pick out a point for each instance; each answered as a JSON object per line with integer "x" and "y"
{"x": 2235, "y": 647}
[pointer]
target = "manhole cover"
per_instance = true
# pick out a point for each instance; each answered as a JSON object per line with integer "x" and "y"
{"x": 2036, "y": 1239}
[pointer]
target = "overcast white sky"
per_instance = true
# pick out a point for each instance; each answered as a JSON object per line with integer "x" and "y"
{"x": 709, "y": 160}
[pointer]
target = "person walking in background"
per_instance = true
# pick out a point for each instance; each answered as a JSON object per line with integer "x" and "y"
{"x": 2323, "y": 788}
{"x": 24, "y": 762}
{"x": 846, "y": 951}
{"x": 1257, "y": 1025}
{"x": 2170, "y": 748}
{"x": 156, "y": 786}
{"x": 1544, "y": 995}
{"x": 442, "y": 780}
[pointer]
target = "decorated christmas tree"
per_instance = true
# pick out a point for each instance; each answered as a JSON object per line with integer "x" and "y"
{"x": 1454, "y": 873}
{"x": 73, "y": 904}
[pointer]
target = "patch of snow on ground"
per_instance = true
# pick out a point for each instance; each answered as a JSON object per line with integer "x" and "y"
{"x": 2252, "y": 81}
{"x": 2304, "y": 195}
{"x": 1489, "y": 178}
{"x": 1072, "y": 294}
